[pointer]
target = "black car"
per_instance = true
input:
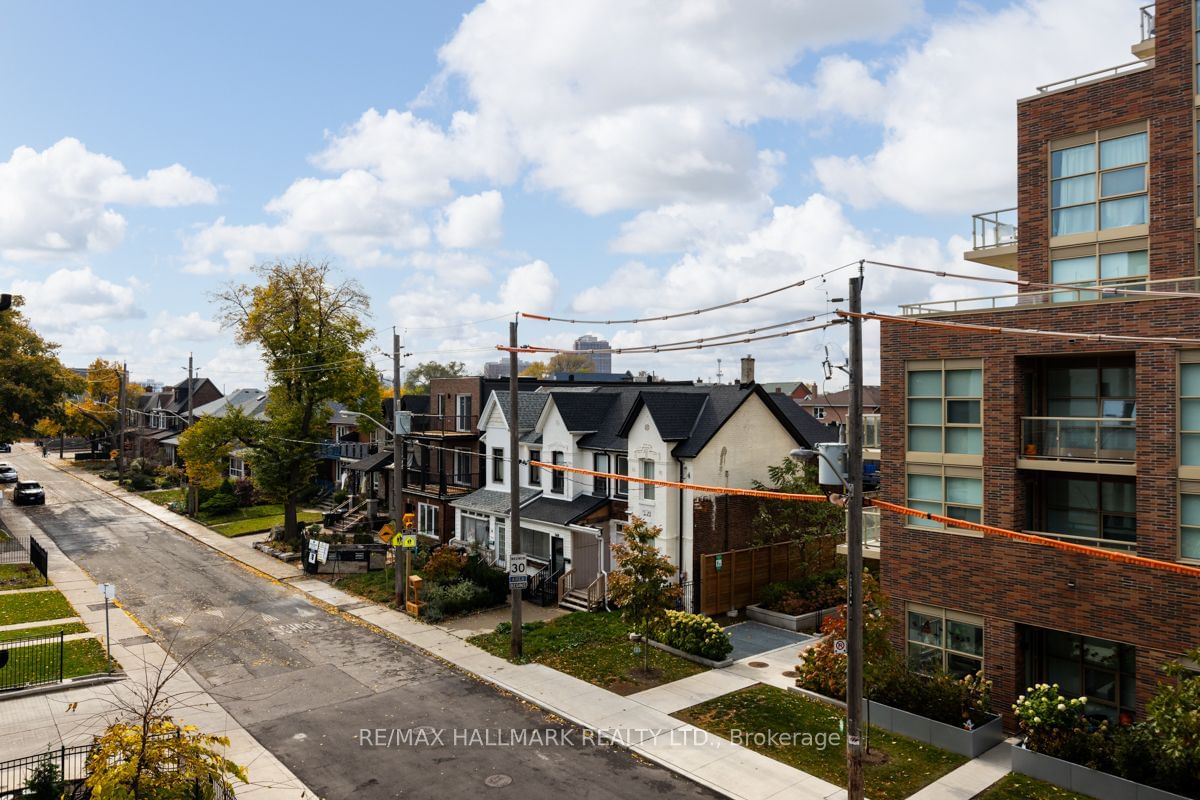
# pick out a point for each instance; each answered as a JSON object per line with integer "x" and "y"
{"x": 8, "y": 473}
{"x": 5, "y": 447}
{"x": 29, "y": 493}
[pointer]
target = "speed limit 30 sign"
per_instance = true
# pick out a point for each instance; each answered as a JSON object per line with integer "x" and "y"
{"x": 518, "y": 575}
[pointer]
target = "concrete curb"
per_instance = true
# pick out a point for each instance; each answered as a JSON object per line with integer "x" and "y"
{"x": 70, "y": 683}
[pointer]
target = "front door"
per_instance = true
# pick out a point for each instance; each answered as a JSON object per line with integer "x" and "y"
{"x": 585, "y": 557}
{"x": 557, "y": 564}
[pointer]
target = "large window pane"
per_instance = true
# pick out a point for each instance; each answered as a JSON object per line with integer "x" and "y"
{"x": 1073, "y": 270}
{"x": 962, "y": 412}
{"x": 1189, "y": 415}
{"x": 968, "y": 441}
{"x": 964, "y": 490}
{"x": 1124, "y": 265}
{"x": 964, "y": 383}
{"x": 1126, "y": 150}
{"x": 925, "y": 487}
{"x": 1118, "y": 497}
{"x": 924, "y": 440}
{"x": 1189, "y": 380}
{"x": 924, "y": 628}
{"x": 965, "y": 637}
{"x": 1078, "y": 219}
{"x": 1073, "y": 161}
{"x": 965, "y": 514}
{"x": 1189, "y": 509}
{"x": 1123, "y": 212}
{"x": 1189, "y": 543}
{"x": 960, "y": 666}
{"x": 925, "y": 383}
{"x": 1117, "y": 382}
{"x": 925, "y": 660}
{"x": 929, "y": 508}
{"x": 1122, "y": 181}
{"x": 1190, "y": 450}
{"x": 1074, "y": 191}
{"x": 925, "y": 412}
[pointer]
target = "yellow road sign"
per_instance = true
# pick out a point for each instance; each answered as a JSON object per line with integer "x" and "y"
{"x": 386, "y": 533}
{"x": 407, "y": 540}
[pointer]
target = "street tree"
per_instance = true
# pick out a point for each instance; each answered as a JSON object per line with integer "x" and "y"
{"x": 418, "y": 378}
{"x": 34, "y": 382}
{"x": 813, "y": 525}
{"x": 311, "y": 334}
{"x": 641, "y": 584}
{"x": 537, "y": 369}
{"x": 570, "y": 362}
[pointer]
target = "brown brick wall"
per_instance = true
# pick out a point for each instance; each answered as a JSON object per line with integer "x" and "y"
{"x": 1163, "y": 95}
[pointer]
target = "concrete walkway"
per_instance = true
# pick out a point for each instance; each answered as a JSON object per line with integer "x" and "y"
{"x": 641, "y": 722}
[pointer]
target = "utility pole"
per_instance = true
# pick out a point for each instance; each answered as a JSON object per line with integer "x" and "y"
{"x": 514, "y": 481}
{"x": 397, "y": 463}
{"x": 193, "y": 491}
{"x": 122, "y": 379}
{"x": 854, "y": 560}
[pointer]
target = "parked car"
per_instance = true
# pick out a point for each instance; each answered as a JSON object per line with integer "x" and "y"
{"x": 8, "y": 473}
{"x": 29, "y": 493}
{"x": 5, "y": 447}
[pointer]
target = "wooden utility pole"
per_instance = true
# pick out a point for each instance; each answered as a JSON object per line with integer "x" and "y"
{"x": 401, "y": 585}
{"x": 193, "y": 491}
{"x": 122, "y": 378}
{"x": 854, "y": 556}
{"x": 514, "y": 480}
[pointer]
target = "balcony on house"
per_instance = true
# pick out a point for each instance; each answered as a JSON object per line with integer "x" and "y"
{"x": 994, "y": 239}
{"x": 1144, "y": 49}
{"x": 870, "y": 535}
{"x": 1087, "y": 509}
{"x": 1132, "y": 290}
{"x": 1078, "y": 439}
{"x": 331, "y": 450}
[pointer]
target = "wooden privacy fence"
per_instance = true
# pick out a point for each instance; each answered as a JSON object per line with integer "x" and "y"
{"x": 745, "y": 572}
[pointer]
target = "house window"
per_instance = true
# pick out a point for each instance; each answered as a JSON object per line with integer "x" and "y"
{"x": 622, "y": 469}
{"x": 957, "y": 493}
{"x": 535, "y": 544}
{"x": 501, "y": 541}
{"x": 441, "y": 411}
{"x": 1102, "y": 511}
{"x": 558, "y": 483}
{"x": 497, "y": 465}
{"x": 945, "y": 411}
{"x": 1189, "y": 415}
{"x": 1089, "y": 193}
{"x": 1189, "y": 525}
{"x": 1102, "y": 671}
{"x": 427, "y": 519}
{"x": 535, "y": 473}
{"x": 462, "y": 467}
{"x": 473, "y": 529}
{"x": 818, "y": 412}
{"x": 1089, "y": 266}
{"x": 462, "y": 409}
{"x": 599, "y": 484}
{"x": 648, "y": 472}
{"x": 944, "y": 641}
{"x": 237, "y": 467}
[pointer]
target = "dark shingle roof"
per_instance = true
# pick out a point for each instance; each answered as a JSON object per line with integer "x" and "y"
{"x": 489, "y": 501}
{"x": 562, "y": 512}
{"x": 674, "y": 415}
{"x": 810, "y": 429}
{"x": 529, "y": 408}
{"x": 584, "y": 412}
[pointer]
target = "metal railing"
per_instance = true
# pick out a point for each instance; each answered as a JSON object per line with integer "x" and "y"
{"x": 1079, "y": 438}
{"x": 1100, "y": 74}
{"x": 871, "y": 527}
{"x": 994, "y": 228}
{"x": 31, "y": 661}
{"x": 871, "y": 431}
{"x": 1141, "y": 290}
{"x": 1147, "y": 21}
{"x": 1090, "y": 541}
{"x": 331, "y": 450}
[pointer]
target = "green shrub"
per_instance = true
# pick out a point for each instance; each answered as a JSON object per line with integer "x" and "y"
{"x": 444, "y": 566}
{"x": 813, "y": 593}
{"x": 495, "y": 581}
{"x": 695, "y": 634}
{"x": 140, "y": 481}
{"x": 1058, "y": 726}
{"x": 219, "y": 504}
{"x": 245, "y": 493}
{"x": 448, "y": 600}
{"x": 962, "y": 702}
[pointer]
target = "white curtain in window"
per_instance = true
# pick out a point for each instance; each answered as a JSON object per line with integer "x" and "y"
{"x": 1123, "y": 212}
{"x": 1126, "y": 150}
{"x": 1073, "y": 161}
{"x": 1073, "y": 191}
{"x": 1079, "y": 219}
{"x": 1124, "y": 265}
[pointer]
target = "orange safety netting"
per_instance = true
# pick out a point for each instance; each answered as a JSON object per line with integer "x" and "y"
{"x": 1027, "y": 538}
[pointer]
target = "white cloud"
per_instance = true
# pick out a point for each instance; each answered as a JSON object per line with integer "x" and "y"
{"x": 169, "y": 329}
{"x": 530, "y": 287}
{"x": 57, "y": 202}
{"x": 472, "y": 221}
{"x": 68, "y": 298}
{"x": 948, "y": 107}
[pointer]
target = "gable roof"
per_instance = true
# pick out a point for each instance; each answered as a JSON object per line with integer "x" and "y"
{"x": 251, "y": 402}
{"x": 810, "y": 429}
{"x": 185, "y": 387}
{"x": 583, "y": 412}
{"x": 675, "y": 416}
{"x": 529, "y": 408}
{"x": 842, "y": 398}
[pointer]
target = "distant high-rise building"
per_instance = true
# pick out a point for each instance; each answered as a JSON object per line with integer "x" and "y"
{"x": 601, "y": 362}
{"x": 499, "y": 369}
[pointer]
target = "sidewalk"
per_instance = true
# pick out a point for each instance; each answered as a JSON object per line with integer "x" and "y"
{"x": 641, "y": 722}
{"x": 31, "y": 724}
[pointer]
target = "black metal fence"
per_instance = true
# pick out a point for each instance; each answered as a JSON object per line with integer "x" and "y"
{"x": 12, "y": 549}
{"x": 39, "y": 558}
{"x": 31, "y": 661}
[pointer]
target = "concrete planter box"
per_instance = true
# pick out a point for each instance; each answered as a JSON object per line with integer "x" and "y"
{"x": 804, "y": 623}
{"x": 1080, "y": 779}
{"x": 688, "y": 656}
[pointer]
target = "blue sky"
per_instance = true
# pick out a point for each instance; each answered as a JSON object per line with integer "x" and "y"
{"x": 466, "y": 161}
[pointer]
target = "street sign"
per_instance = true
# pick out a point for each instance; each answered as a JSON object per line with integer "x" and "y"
{"x": 406, "y": 540}
{"x": 109, "y": 591}
{"x": 839, "y": 647}
{"x": 323, "y": 552}
{"x": 386, "y": 533}
{"x": 718, "y": 562}
{"x": 518, "y": 575}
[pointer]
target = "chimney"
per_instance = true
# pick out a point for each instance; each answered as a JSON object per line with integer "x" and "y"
{"x": 747, "y": 370}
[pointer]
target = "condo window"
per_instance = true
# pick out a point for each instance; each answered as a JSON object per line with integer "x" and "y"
{"x": 648, "y": 473}
{"x": 535, "y": 473}
{"x": 498, "y": 465}
{"x": 1100, "y": 510}
{"x": 558, "y": 481}
{"x": 957, "y": 496}
{"x": 462, "y": 467}
{"x": 1099, "y": 185}
{"x": 622, "y": 469}
{"x": 944, "y": 641}
{"x": 945, "y": 412}
{"x": 462, "y": 407}
{"x": 1189, "y": 526}
{"x": 1189, "y": 415}
{"x": 1103, "y": 671}
{"x": 1127, "y": 269}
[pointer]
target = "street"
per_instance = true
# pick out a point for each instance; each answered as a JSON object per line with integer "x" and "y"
{"x": 307, "y": 683}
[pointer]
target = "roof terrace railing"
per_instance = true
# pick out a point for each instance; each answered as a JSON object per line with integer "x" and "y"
{"x": 1107, "y": 72}
{"x": 994, "y": 228}
{"x": 1147, "y": 17}
{"x": 1089, "y": 293}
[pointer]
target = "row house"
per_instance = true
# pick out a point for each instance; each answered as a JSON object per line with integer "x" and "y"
{"x": 711, "y": 435}
{"x": 157, "y": 418}
{"x": 248, "y": 402}
{"x": 1086, "y": 440}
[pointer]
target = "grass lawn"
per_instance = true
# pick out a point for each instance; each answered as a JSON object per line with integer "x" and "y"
{"x": 20, "y": 576}
{"x": 241, "y": 527}
{"x": 165, "y": 497}
{"x": 43, "y": 630}
{"x": 908, "y": 766}
{"x": 379, "y": 586}
{"x": 33, "y": 606}
{"x": 1021, "y": 787}
{"x": 85, "y": 657}
{"x": 594, "y": 647}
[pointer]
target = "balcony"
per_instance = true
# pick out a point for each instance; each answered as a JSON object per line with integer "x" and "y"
{"x": 1062, "y": 443}
{"x": 1090, "y": 541}
{"x": 871, "y": 539}
{"x": 1144, "y": 49}
{"x": 330, "y": 450}
{"x": 1141, "y": 290}
{"x": 994, "y": 239}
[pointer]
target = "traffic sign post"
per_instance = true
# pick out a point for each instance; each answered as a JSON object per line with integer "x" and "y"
{"x": 110, "y": 593}
{"x": 518, "y": 574}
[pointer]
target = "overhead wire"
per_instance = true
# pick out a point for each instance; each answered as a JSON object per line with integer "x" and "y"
{"x": 982, "y": 328}
{"x": 700, "y": 343}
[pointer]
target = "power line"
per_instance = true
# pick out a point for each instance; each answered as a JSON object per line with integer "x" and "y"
{"x": 702, "y": 343}
{"x": 693, "y": 312}
{"x": 980, "y": 328}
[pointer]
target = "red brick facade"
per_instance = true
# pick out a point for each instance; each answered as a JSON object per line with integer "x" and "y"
{"x": 1008, "y": 583}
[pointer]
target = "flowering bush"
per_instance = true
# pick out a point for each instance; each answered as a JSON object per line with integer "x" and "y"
{"x": 695, "y": 634}
{"x": 1058, "y": 726}
{"x": 445, "y": 566}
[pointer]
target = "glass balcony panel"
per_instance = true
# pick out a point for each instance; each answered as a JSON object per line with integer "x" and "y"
{"x": 1079, "y": 438}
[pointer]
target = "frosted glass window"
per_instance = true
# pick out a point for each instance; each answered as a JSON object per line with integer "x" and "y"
{"x": 1122, "y": 151}
{"x": 1189, "y": 380}
{"x": 1189, "y": 414}
{"x": 1123, "y": 212}
{"x": 1077, "y": 219}
{"x": 964, "y": 490}
{"x": 1073, "y": 161}
{"x": 925, "y": 412}
{"x": 1190, "y": 450}
{"x": 1119, "y": 181}
{"x": 1189, "y": 526}
{"x": 1073, "y": 270}
{"x": 1073, "y": 191}
{"x": 925, "y": 487}
{"x": 966, "y": 441}
{"x": 925, "y": 440}
{"x": 964, "y": 383}
{"x": 925, "y": 383}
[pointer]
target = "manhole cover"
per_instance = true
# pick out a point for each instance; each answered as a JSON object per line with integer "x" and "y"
{"x": 759, "y": 664}
{"x": 791, "y": 673}
{"x": 497, "y": 781}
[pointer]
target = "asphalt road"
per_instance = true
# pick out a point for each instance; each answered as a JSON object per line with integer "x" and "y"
{"x": 306, "y": 683}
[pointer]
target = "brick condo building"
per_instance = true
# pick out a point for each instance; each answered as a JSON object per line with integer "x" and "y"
{"x": 1096, "y": 442}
